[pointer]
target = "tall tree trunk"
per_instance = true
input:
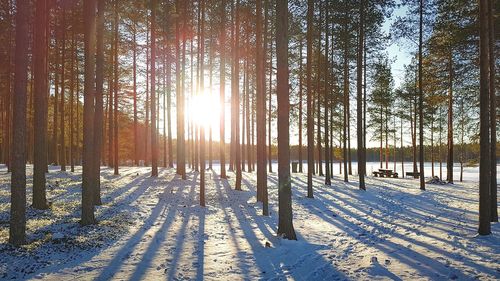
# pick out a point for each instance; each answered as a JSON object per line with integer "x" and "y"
{"x": 146, "y": 102}
{"x": 110, "y": 107}
{"x": 449, "y": 165}
{"x": 319, "y": 72}
{"x": 421, "y": 99}
{"x": 17, "y": 231}
{"x": 493, "y": 112}
{"x": 222, "y": 141}
{"x": 432, "y": 145}
{"x": 301, "y": 74}
{"x": 202, "y": 86}
{"x": 181, "y": 157}
{"x": 134, "y": 73}
{"x": 269, "y": 116}
{"x": 169, "y": 106}
{"x": 484, "y": 106}
{"x": 346, "y": 113}
{"x": 154, "y": 141}
{"x": 115, "y": 87}
{"x": 236, "y": 96}
{"x": 99, "y": 110}
{"x": 72, "y": 96}
{"x": 360, "y": 131}
{"x": 327, "y": 96}
{"x": 55, "y": 109}
{"x": 87, "y": 215}
{"x": 210, "y": 131}
{"x": 310, "y": 121}
{"x": 41, "y": 108}
{"x": 285, "y": 224}
{"x": 62, "y": 148}
{"x": 261, "y": 113}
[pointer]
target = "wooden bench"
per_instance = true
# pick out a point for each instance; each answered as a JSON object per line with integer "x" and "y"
{"x": 413, "y": 174}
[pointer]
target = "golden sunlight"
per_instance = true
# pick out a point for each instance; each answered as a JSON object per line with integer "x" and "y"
{"x": 204, "y": 109}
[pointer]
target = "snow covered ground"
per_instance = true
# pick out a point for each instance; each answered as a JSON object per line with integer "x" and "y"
{"x": 154, "y": 229}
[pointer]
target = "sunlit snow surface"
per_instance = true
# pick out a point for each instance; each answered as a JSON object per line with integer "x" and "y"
{"x": 153, "y": 229}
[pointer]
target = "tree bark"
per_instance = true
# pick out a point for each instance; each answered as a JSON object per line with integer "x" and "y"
{"x": 285, "y": 223}
{"x": 41, "y": 108}
{"x": 421, "y": 99}
{"x": 17, "y": 231}
{"x": 310, "y": 121}
{"x": 449, "y": 165}
{"x": 99, "y": 110}
{"x": 115, "y": 88}
{"x": 62, "y": 143}
{"x": 360, "y": 133}
{"x": 87, "y": 215}
{"x": 222, "y": 141}
{"x": 493, "y": 112}
{"x": 261, "y": 113}
{"x": 484, "y": 107}
{"x": 154, "y": 141}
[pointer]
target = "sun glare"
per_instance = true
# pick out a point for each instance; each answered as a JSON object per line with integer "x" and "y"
{"x": 204, "y": 109}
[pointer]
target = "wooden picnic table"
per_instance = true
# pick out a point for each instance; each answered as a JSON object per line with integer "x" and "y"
{"x": 385, "y": 173}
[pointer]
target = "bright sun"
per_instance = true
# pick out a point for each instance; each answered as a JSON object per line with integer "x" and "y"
{"x": 204, "y": 109}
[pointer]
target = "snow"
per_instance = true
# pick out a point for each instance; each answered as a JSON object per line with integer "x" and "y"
{"x": 153, "y": 228}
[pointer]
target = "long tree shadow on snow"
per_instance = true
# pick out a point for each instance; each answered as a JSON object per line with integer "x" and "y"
{"x": 271, "y": 264}
{"x": 366, "y": 201}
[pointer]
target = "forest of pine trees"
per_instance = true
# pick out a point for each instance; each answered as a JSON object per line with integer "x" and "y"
{"x": 119, "y": 83}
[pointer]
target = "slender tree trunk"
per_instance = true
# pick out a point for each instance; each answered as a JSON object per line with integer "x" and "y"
{"x": 17, "y": 231}
{"x": 327, "y": 96}
{"x": 360, "y": 133}
{"x": 432, "y": 145}
{"x": 237, "y": 157}
{"x": 169, "y": 106}
{"x": 115, "y": 95}
{"x": 346, "y": 113}
{"x": 310, "y": 121}
{"x": 222, "y": 141}
{"x": 62, "y": 148}
{"x": 41, "y": 108}
{"x": 146, "y": 102}
{"x": 402, "y": 151}
{"x": 110, "y": 108}
{"x": 320, "y": 72}
{"x": 154, "y": 141}
{"x": 261, "y": 113}
{"x": 493, "y": 112}
{"x": 421, "y": 99}
{"x": 440, "y": 156}
{"x": 449, "y": 166}
{"x": 210, "y": 141}
{"x": 55, "y": 113}
{"x": 301, "y": 74}
{"x": 134, "y": 73}
{"x": 285, "y": 224}
{"x": 72, "y": 96}
{"x": 202, "y": 86}
{"x": 99, "y": 110}
{"x": 270, "y": 105}
{"x": 87, "y": 215}
{"x": 181, "y": 158}
{"x": 462, "y": 133}
{"x": 485, "y": 138}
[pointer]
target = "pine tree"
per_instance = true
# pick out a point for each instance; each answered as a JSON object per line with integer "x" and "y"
{"x": 17, "y": 231}
{"x": 41, "y": 108}
{"x": 87, "y": 217}
{"x": 285, "y": 224}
